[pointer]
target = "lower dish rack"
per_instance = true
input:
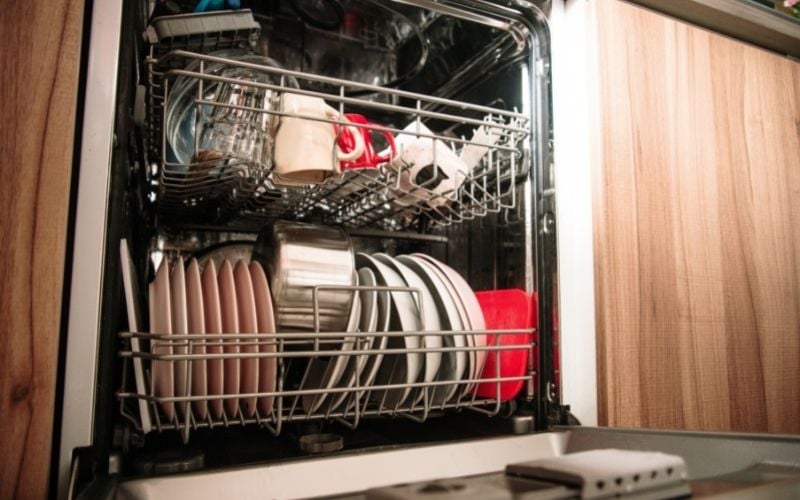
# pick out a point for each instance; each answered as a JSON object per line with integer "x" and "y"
{"x": 314, "y": 376}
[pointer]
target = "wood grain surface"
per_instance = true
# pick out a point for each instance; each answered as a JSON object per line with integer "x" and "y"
{"x": 39, "y": 54}
{"x": 696, "y": 227}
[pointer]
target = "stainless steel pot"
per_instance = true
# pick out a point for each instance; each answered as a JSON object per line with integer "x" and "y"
{"x": 299, "y": 257}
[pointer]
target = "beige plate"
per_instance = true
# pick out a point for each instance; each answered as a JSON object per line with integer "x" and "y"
{"x": 248, "y": 323}
{"x": 267, "y": 367}
{"x": 161, "y": 323}
{"x": 197, "y": 324}
{"x": 213, "y": 324}
{"x": 180, "y": 327}
{"x": 230, "y": 324}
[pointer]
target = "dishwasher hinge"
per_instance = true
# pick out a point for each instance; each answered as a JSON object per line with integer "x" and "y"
{"x": 560, "y": 415}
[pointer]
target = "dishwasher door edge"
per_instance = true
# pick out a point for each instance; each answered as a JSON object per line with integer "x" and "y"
{"x": 90, "y": 229}
{"x": 353, "y": 472}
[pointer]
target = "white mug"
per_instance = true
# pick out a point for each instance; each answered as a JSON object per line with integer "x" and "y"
{"x": 306, "y": 150}
{"x": 431, "y": 172}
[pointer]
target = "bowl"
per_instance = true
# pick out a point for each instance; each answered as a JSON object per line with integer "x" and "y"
{"x": 226, "y": 132}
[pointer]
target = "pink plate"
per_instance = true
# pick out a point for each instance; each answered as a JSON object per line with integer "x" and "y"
{"x": 506, "y": 310}
{"x": 194, "y": 302}
{"x": 248, "y": 323}
{"x": 267, "y": 368}
{"x": 180, "y": 327}
{"x": 230, "y": 324}
{"x": 213, "y": 323}
{"x": 161, "y": 323}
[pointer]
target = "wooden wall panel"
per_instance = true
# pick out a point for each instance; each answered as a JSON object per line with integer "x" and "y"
{"x": 39, "y": 54}
{"x": 696, "y": 227}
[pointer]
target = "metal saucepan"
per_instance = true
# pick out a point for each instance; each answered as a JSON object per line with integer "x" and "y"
{"x": 299, "y": 257}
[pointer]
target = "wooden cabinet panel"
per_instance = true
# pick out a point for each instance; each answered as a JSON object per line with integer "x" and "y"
{"x": 39, "y": 54}
{"x": 696, "y": 226}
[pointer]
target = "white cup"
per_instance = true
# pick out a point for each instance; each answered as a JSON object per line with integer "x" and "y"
{"x": 430, "y": 172}
{"x": 306, "y": 150}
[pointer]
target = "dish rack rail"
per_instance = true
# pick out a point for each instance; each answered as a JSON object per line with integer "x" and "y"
{"x": 288, "y": 400}
{"x": 295, "y": 352}
{"x": 242, "y": 194}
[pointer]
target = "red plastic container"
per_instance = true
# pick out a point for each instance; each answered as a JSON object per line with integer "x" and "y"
{"x": 504, "y": 310}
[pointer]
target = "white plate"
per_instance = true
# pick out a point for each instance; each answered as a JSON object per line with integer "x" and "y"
{"x": 403, "y": 368}
{"x": 367, "y": 323}
{"x": 230, "y": 324}
{"x": 326, "y": 373}
{"x": 379, "y": 342}
{"x": 197, "y": 324}
{"x": 369, "y": 303}
{"x": 455, "y": 362}
{"x": 466, "y": 325}
{"x": 248, "y": 323}
{"x": 180, "y": 326}
{"x": 430, "y": 318}
{"x": 131, "y": 285}
{"x": 213, "y": 322}
{"x": 267, "y": 367}
{"x": 161, "y": 323}
{"x": 474, "y": 314}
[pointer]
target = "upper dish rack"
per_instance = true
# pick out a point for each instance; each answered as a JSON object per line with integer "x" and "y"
{"x": 244, "y": 195}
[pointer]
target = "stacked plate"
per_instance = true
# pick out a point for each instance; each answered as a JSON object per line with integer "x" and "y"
{"x": 421, "y": 295}
{"x": 427, "y": 302}
{"x": 233, "y": 299}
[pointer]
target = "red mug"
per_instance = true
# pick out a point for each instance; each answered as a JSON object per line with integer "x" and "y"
{"x": 369, "y": 158}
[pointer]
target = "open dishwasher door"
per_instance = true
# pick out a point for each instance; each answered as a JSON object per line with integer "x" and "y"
{"x": 719, "y": 465}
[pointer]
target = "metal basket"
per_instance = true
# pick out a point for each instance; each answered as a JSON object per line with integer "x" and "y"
{"x": 239, "y": 193}
{"x": 293, "y": 348}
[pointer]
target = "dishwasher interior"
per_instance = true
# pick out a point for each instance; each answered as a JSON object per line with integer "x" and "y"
{"x": 469, "y": 77}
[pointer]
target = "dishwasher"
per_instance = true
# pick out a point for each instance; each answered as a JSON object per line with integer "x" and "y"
{"x": 379, "y": 175}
